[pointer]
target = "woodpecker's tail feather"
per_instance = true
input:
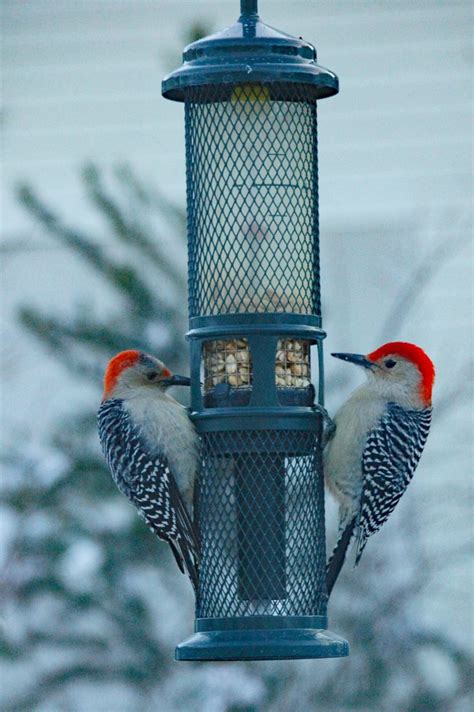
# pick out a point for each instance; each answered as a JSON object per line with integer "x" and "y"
{"x": 337, "y": 558}
{"x": 185, "y": 560}
{"x": 188, "y": 549}
{"x": 177, "y": 555}
{"x": 361, "y": 542}
{"x": 186, "y": 546}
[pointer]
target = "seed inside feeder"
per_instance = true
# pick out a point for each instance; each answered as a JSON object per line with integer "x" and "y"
{"x": 230, "y": 362}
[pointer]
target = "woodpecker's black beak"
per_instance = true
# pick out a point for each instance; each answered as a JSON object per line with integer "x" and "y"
{"x": 176, "y": 380}
{"x": 358, "y": 359}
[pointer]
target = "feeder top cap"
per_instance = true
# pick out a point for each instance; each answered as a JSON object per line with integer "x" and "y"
{"x": 249, "y": 51}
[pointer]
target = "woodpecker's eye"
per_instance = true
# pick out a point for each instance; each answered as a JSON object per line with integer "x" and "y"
{"x": 152, "y": 376}
{"x": 390, "y": 363}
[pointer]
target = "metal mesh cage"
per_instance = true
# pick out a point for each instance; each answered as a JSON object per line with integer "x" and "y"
{"x": 253, "y": 157}
{"x": 253, "y": 255}
{"x": 250, "y": 96}
{"x": 261, "y": 525}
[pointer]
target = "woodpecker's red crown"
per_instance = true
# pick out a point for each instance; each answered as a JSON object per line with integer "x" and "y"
{"x": 417, "y": 356}
{"x": 118, "y": 364}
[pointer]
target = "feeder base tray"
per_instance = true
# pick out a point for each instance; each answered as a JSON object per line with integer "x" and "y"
{"x": 275, "y": 644}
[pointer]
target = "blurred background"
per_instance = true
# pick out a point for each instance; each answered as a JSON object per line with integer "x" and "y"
{"x": 93, "y": 260}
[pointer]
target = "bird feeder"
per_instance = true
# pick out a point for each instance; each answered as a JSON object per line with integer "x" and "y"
{"x": 250, "y": 95}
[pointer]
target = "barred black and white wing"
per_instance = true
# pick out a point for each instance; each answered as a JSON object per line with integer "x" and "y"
{"x": 148, "y": 482}
{"x": 391, "y": 454}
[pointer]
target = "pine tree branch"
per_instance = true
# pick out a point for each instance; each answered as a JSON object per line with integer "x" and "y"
{"x": 129, "y": 232}
{"x": 54, "y": 682}
{"x": 417, "y": 282}
{"x": 152, "y": 197}
{"x": 123, "y": 277}
{"x": 55, "y": 332}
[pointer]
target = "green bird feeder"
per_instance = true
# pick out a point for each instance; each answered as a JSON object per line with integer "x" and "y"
{"x": 250, "y": 94}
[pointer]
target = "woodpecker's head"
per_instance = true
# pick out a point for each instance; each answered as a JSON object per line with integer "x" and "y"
{"x": 399, "y": 371}
{"x": 132, "y": 369}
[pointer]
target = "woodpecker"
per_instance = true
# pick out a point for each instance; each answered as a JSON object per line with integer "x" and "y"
{"x": 379, "y": 435}
{"x": 151, "y": 448}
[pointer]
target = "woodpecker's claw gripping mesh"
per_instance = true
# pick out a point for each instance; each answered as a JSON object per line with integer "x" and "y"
{"x": 254, "y": 161}
{"x": 259, "y": 521}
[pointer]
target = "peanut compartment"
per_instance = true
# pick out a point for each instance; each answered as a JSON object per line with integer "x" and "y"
{"x": 230, "y": 362}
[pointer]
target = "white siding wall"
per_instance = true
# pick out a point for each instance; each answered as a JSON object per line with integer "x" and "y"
{"x": 82, "y": 81}
{"x": 82, "y": 78}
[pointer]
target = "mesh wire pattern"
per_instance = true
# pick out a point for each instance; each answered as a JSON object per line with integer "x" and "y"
{"x": 252, "y": 201}
{"x": 260, "y": 513}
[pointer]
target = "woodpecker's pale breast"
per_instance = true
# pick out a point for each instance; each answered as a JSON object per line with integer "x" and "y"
{"x": 167, "y": 429}
{"x": 342, "y": 456}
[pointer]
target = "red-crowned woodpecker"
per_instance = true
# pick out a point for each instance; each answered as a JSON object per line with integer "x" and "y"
{"x": 377, "y": 442}
{"x": 151, "y": 448}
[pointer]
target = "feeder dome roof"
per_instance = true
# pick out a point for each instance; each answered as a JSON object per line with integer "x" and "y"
{"x": 249, "y": 52}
